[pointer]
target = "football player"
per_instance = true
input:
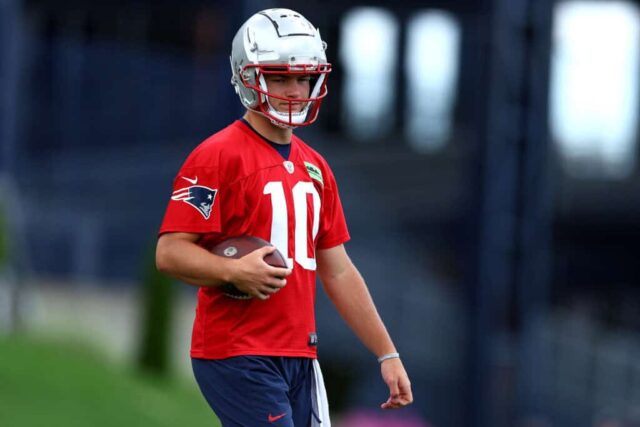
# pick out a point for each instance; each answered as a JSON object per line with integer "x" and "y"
{"x": 255, "y": 359}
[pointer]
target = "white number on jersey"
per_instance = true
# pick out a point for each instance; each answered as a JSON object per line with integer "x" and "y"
{"x": 280, "y": 226}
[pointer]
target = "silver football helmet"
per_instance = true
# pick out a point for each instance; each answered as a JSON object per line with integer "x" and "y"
{"x": 281, "y": 42}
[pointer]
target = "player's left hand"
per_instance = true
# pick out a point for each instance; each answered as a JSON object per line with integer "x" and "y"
{"x": 397, "y": 380}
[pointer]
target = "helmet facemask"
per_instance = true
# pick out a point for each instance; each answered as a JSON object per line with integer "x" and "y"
{"x": 253, "y": 77}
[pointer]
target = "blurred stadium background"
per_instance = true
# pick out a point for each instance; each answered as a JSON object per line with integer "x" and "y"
{"x": 487, "y": 155}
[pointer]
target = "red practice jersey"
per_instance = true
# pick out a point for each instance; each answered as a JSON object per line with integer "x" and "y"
{"x": 235, "y": 183}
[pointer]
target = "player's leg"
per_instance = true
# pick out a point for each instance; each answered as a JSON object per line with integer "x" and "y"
{"x": 308, "y": 396}
{"x": 246, "y": 391}
{"x": 297, "y": 373}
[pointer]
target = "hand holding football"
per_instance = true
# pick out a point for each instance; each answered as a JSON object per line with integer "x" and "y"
{"x": 238, "y": 247}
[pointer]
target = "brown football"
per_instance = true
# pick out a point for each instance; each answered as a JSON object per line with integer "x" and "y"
{"x": 237, "y": 247}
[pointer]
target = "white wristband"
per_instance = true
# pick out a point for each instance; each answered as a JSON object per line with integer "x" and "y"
{"x": 388, "y": 356}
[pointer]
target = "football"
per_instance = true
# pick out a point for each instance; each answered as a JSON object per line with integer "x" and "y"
{"x": 237, "y": 247}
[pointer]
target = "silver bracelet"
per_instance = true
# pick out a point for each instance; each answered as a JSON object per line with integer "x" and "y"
{"x": 388, "y": 356}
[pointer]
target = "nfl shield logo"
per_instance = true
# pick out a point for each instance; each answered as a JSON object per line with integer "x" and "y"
{"x": 288, "y": 166}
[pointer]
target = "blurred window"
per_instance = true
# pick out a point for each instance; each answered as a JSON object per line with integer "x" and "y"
{"x": 431, "y": 67}
{"x": 594, "y": 86}
{"x": 368, "y": 55}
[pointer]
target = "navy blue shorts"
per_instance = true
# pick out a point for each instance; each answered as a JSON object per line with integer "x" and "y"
{"x": 254, "y": 391}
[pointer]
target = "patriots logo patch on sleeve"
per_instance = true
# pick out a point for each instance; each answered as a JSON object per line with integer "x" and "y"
{"x": 198, "y": 196}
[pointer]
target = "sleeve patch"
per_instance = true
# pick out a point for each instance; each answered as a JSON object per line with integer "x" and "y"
{"x": 314, "y": 172}
{"x": 198, "y": 196}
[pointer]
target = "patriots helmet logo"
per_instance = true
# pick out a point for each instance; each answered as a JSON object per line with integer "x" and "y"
{"x": 198, "y": 196}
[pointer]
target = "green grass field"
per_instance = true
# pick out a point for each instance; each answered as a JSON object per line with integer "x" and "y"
{"x": 44, "y": 384}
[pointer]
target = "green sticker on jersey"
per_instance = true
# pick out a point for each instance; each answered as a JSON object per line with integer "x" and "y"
{"x": 314, "y": 172}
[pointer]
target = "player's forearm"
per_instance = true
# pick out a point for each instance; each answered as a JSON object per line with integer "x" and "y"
{"x": 190, "y": 263}
{"x": 350, "y": 295}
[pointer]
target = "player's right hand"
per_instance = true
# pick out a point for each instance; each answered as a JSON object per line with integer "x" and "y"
{"x": 255, "y": 277}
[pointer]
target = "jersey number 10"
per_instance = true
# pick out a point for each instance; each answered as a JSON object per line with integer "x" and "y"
{"x": 280, "y": 226}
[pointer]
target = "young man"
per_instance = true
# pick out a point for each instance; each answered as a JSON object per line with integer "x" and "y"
{"x": 254, "y": 359}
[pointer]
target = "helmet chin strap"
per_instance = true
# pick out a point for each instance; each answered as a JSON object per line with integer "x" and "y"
{"x": 279, "y": 124}
{"x": 272, "y": 120}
